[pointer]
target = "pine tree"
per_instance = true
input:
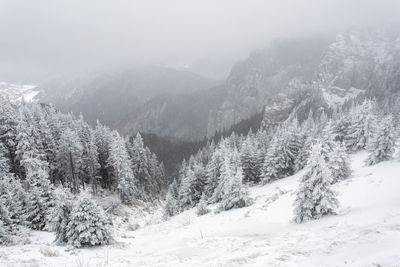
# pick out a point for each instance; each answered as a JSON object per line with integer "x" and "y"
{"x": 9, "y": 132}
{"x": 382, "y": 144}
{"x": 213, "y": 174}
{"x": 315, "y": 197}
{"x": 88, "y": 225}
{"x": 186, "y": 196}
{"x": 202, "y": 208}
{"x": 141, "y": 165}
{"x": 304, "y": 153}
{"x": 5, "y": 226}
{"x": 171, "y": 206}
{"x": 230, "y": 164}
{"x": 120, "y": 162}
{"x": 59, "y": 215}
{"x": 275, "y": 163}
{"x": 236, "y": 194}
{"x": 250, "y": 162}
{"x": 335, "y": 155}
{"x": 103, "y": 138}
{"x": 69, "y": 159}
{"x": 36, "y": 210}
{"x": 362, "y": 123}
{"x": 339, "y": 163}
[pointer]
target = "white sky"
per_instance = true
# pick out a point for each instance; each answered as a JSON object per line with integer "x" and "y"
{"x": 59, "y": 34}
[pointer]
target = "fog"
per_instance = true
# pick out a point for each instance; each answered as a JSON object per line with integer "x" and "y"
{"x": 47, "y": 36}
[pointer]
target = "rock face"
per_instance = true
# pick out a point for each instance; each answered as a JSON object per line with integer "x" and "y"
{"x": 325, "y": 73}
{"x": 287, "y": 78}
{"x": 264, "y": 76}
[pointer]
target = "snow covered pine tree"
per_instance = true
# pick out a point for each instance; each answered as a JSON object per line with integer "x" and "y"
{"x": 381, "y": 146}
{"x": 89, "y": 225}
{"x": 315, "y": 197}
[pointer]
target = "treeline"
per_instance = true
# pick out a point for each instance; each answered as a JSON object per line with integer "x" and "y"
{"x": 42, "y": 150}
{"x": 221, "y": 173}
{"x": 172, "y": 151}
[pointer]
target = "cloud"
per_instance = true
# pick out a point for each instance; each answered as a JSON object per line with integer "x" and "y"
{"x": 72, "y": 34}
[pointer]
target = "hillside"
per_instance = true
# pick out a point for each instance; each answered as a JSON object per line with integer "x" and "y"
{"x": 365, "y": 232}
{"x": 111, "y": 95}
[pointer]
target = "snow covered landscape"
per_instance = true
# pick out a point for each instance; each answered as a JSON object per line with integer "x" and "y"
{"x": 200, "y": 133}
{"x": 365, "y": 232}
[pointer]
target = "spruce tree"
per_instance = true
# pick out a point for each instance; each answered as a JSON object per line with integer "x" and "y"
{"x": 339, "y": 163}
{"x": 362, "y": 124}
{"x": 213, "y": 174}
{"x": 235, "y": 193}
{"x": 120, "y": 163}
{"x": 140, "y": 163}
{"x": 250, "y": 162}
{"x": 69, "y": 158}
{"x": 36, "y": 211}
{"x": 59, "y": 215}
{"x": 5, "y": 226}
{"x": 88, "y": 225}
{"x": 201, "y": 208}
{"x": 171, "y": 206}
{"x": 315, "y": 197}
{"x": 382, "y": 144}
{"x": 275, "y": 163}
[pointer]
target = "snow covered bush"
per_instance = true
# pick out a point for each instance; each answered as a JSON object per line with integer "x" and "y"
{"x": 382, "y": 144}
{"x": 171, "y": 206}
{"x": 202, "y": 208}
{"x": 88, "y": 225}
{"x": 315, "y": 197}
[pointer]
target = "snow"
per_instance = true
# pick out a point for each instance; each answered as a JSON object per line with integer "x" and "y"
{"x": 15, "y": 92}
{"x": 336, "y": 96}
{"x": 365, "y": 232}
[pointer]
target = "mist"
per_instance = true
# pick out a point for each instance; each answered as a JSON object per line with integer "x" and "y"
{"x": 39, "y": 38}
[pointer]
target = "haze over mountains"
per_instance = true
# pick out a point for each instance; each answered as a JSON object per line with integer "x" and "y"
{"x": 184, "y": 105}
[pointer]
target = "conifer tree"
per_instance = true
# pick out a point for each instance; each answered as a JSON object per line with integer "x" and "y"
{"x": 6, "y": 230}
{"x": 69, "y": 159}
{"x": 275, "y": 163}
{"x": 88, "y": 225}
{"x": 120, "y": 162}
{"x": 339, "y": 163}
{"x": 59, "y": 215}
{"x": 202, "y": 208}
{"x": 103, "y": 138}
{"x": 236, "y": 194}
{"x": 8, "y": 132}
{"x": 315, "y": 197}
{"x": 382, "y": 144}
{"x": 362, "y": 124}
{"x": 172, "y": 200}
{"x": 36, "y": 210}
{"x": 213, "y": 173}
{"x": 250, "y": 162}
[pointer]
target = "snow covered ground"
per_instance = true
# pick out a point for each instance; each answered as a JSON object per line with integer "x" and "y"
{"x": 366, "y": 232}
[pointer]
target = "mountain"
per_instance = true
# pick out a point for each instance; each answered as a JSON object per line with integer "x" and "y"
{"x": 110, "y": 96}
{"x": 287, "y": 78}
{"x": 17, "y": 92}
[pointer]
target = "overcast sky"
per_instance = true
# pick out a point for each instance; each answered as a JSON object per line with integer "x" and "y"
{"x": 72, "y": 34}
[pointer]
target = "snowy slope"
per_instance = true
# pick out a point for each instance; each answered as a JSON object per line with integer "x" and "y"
{"x": 15, "y": 92}
{"x": 366, "y": 232}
